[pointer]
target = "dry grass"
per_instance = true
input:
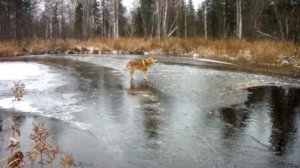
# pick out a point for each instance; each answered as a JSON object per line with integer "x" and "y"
{"x": 259, "y": 51}
{"x": 9, "y": 48}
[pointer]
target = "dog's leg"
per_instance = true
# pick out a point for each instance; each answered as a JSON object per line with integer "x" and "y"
{"x": 145, "y": 75}
{"x": 132, "y": 75}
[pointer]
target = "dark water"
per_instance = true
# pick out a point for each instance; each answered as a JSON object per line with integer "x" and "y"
{"x": 182, "y": 116}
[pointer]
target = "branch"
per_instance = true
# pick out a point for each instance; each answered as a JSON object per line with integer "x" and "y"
{"x": 172, "y": 31}
{"x": 265, "y": 34}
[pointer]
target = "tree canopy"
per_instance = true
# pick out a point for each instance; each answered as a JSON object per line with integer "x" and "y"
{"x": 52, "y": 19}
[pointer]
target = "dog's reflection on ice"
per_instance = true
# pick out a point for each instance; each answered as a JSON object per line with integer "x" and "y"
{"x": 142, "y": 87}
{"x": 150, "y": 106}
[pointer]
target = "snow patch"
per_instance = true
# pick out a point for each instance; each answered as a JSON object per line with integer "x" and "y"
{"x": 19, "y": 71}
{"x": 81, "y": 125}
{"x": 25, "y": 106}
{"x": 214, "y": 61}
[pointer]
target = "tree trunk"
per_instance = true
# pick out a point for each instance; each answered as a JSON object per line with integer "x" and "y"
{"x": 295, "y": 26}
{"x": 287, "y": 28}
{"x": 279, "y": 23}
{"x": 117, "y": 19}
{"x": 185, "y": 24}
{"x": 205, "y": 21}
{"x": 224, "y": 19}
{"x": 158, "y": 19}
{"x": 239, "y": 20}
{"x": 165, "y": 19}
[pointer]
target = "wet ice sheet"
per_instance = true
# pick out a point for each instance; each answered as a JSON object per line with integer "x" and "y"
{"x": 183, "y": 116}
{"x": 42, "y": 91}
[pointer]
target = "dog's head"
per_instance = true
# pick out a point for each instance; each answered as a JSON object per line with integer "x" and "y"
{"x": 151, "y": 59}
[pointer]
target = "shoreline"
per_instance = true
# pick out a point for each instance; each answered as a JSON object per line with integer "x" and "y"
{"x": 260, "y": 53}
{"x": 185, "y": 60}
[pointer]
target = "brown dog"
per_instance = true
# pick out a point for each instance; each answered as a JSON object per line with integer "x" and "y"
{"x": 142, "y": 65}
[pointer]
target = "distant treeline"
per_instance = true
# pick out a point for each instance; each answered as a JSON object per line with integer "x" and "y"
{"x": 214, "y": 19}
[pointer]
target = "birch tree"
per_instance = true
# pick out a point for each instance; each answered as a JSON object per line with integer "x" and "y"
{"x": 239, "y": 20}
{"x": 158, "y": 18}
{"x": 205, "y": 20}
{"x": 164, "y": 28}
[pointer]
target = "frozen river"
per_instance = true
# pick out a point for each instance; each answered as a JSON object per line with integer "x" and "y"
{"x": 184, "y": 115}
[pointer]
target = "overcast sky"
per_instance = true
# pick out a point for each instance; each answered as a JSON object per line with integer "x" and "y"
{"x": 130, "y": 3}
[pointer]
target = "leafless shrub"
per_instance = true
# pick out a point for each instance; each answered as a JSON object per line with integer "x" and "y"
{"x": 32, "y": 156}
{"x": 67, "y": 160}
{"x": 39, "y": 135}
{"x": 16, "y": 160}
{"x": 18, "y": 91}
{"x": 14, "y": 143}
{"x": 15, "y": 129}
{"x": 52, "y": 152}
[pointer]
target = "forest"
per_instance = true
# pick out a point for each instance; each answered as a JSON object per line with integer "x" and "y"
{"x": 213, "y": 19}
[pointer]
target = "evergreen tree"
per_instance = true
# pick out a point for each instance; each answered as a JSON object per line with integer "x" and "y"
{"x": 23, "y": 19}
{"x": 216, "y": 18}
{"x": 55, "y": 22}
{"x": 138, "y": 23}
{"x": 123, "y": 27}
{"x": 200, "y": 21}
{"x": 96, "y": 14}
{"x": 78, "y": 20}
{"x": 147, "y": 8}
{"x": 181, "y": 19}
{"x": 190, "y": 19}
{"x": 7, "y": 20}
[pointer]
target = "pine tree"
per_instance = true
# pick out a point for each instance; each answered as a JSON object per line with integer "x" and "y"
{"x": 78, "y": 20}
{"x": 190, "y": 19}
{"x": 147, "y": 8}
{"x": 200, "y": 27}
{"x": 216, "y": 18}
{"x": 55, "y": 22}
{"x": 96, "y": 14}
{"x": 181, "y": 19}
{"x": 123, "y": 27}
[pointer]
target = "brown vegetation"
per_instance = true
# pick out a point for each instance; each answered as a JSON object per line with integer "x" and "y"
{"x": 258, "y": 51}
{"x": 39, "y": 136}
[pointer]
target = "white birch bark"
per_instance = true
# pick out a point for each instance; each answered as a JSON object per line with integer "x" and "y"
{"x": 185, "y": 24}
{"x": 239, "y": 20}
{"x": 165, "y": 19}
{"x": 117, "y": 20}
{"x": 205, "y": 21}
{"x": 158, "y": 19}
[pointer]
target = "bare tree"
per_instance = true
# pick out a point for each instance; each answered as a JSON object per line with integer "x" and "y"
{"x": 165, "y": 19}
{"x": 115, "y": 18}
{"x": 205, "y": 20}
{"x": 239, "y": 21}
{"x": 49, "y": 16}
{"x": 158, "y": 18}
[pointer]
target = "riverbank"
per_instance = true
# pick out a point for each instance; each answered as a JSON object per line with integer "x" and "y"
{"x": 265, "y": 53}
